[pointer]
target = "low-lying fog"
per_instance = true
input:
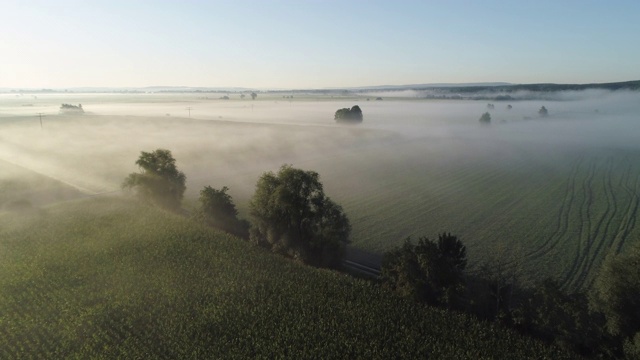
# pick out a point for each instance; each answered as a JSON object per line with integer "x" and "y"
{"x": 231, "y": 142}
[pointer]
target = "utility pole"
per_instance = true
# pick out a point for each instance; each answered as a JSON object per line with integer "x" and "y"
{"x": 40, "y": 115}
{"x": 189, "y": 109}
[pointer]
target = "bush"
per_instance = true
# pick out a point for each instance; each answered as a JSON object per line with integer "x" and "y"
{"x": 218, "y": 210}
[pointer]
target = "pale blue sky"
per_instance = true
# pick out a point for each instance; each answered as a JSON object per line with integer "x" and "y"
{"x": 315, "y": 44}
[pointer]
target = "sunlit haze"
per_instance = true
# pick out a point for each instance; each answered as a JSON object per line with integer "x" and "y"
{"x": 319, "y": 179}
{"x": 314, "y": 44}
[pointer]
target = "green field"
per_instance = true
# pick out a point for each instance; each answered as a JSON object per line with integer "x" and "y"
{"x": 109, "y": 278}
{"x": 554, "y": 195}
{"x": 558, "y": 214}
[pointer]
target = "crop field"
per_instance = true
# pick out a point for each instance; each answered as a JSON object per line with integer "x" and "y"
{"x": 556, "y": 217}
{"x": 554, "y": 195}
{"x": 108, "y": 278}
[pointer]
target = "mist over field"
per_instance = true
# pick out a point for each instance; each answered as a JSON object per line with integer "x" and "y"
{"x": 319, "y": 179}
{"x": 413, "y": 167}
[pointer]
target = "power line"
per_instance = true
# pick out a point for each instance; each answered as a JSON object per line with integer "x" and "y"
{"x": 40, "y": 115}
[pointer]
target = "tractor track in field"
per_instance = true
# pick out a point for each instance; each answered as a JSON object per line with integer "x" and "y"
{"x": 626, "y": 224}
{"x": 602, "y": 237}
{"x": 595, "y": 230}
{"x": 584, "y": 217}
{"x": 630, "y": 218}
{"x": 563, "y": 216}
{"x": 595, "y": 237}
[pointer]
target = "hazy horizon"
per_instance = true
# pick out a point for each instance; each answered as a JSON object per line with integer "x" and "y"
{"x": 397, "y": 90}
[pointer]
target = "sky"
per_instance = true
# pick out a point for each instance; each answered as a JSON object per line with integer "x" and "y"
{"x": 266, "y": 44}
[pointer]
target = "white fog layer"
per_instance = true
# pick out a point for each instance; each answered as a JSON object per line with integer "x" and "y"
{"x": 424, "y": 166}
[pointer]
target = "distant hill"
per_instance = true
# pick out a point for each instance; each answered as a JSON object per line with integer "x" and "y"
{"x": 110, "y": 278}
{"x": 148, "y": 89}
{"x": 429, "y": 86}
{"x": 546, "y": 87}
{"x": 192, "y": 89}
{"x": 445, "y": 88}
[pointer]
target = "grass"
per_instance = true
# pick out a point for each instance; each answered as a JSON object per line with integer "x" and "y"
{"x": 107, "y": 278}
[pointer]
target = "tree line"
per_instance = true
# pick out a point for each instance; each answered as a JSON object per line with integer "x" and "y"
{"x": 291, "y": 215}
{"x": 601, "y": 323}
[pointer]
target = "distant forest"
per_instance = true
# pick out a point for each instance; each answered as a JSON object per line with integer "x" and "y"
{"x": 438, "y": 90}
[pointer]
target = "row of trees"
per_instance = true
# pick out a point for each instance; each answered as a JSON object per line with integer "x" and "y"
{"x": 485, "y": 118}
{"x": 291, "y": 215}
{"x": 71, "y": 109}
{"x": 603, "y": 323}
{"x": 242, "y": 96}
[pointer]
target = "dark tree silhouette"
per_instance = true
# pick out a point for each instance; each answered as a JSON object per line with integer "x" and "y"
{"x": 71, "y": 109}
{"x": 485, "y": 118}
{"x": 616, "y": 295}
{"x": 428, "y": 271}
{"x": 543, "y": 112}
{"x": 346, "y": 115}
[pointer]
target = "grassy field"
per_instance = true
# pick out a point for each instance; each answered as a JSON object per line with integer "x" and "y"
{"x": 106, "y": 278}
{"x": 554, "y": 195}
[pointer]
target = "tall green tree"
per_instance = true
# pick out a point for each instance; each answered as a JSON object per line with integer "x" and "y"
{"x": 292, "y": 215}
{"x": 408, "y": 270}
{"x": 428, "y": 271}
{"x": 159, "y": 180}
{"x": 217, "y": 209}
{"x": 616, "y": 293}
{"x": 217, "y": 203}
{"x": 452, "y": 260}
{"x": 552, "y": 315}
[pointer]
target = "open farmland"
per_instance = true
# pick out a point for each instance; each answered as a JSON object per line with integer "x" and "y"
{"x": 108, "y": 278}
{"x": 555, "y": 195}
